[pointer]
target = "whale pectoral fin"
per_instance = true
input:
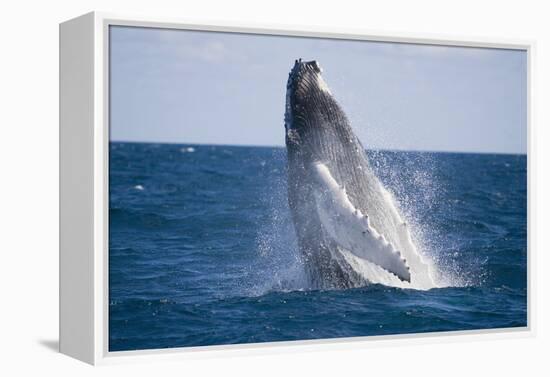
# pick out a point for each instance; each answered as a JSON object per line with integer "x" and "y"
{"x": 351, "y": 229}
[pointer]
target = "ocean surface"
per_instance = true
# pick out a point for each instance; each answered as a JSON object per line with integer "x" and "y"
{"x": 202, "y": 249}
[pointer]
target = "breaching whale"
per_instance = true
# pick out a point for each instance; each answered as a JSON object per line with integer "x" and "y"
{"x": 341, "y": 212}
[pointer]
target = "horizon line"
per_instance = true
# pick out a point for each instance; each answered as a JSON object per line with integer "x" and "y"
{"x": 283, "y": 146}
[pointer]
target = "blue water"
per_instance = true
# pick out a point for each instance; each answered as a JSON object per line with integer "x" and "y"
{"x": 202, "y": 248}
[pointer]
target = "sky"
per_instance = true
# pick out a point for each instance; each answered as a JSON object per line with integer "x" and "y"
{"x": 181, "y": 86}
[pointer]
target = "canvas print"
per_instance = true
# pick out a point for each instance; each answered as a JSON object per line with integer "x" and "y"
{"x": 271, "y": 188}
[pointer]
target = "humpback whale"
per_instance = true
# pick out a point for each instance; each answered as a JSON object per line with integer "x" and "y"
{"x": 348, "y": 229}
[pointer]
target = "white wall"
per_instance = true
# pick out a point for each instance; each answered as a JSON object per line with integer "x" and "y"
{"x": 29, "y": 183}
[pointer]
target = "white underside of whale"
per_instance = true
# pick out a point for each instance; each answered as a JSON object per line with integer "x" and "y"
{"x": 352, "y": 230}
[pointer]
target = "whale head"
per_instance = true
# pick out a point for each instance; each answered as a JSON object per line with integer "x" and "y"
{"x": 305, "y": 90}
{"x": 312, "y": 114}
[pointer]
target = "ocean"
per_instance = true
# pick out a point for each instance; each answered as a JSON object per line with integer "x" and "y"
{"x": 202, "y": 248}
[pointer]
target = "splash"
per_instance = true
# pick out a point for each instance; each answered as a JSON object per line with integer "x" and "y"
{"x": 412, "y": 177}
{"x": 280, "y": 267}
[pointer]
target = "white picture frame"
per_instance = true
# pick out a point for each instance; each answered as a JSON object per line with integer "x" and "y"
{"x": 84, "y": 186}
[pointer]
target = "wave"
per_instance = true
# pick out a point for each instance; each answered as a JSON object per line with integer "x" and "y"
{"x": 123, "y": 217}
